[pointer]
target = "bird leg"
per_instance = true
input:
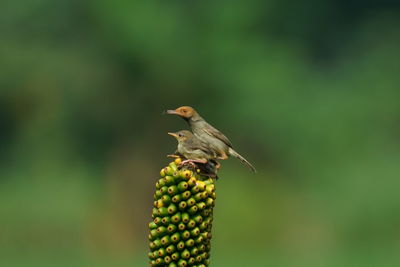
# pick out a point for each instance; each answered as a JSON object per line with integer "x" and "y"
{"x": 223, "y": 155}
{"x": 217, "y": 165}
{"x": 194, "y": 161}
{"x": 173, "y": 156}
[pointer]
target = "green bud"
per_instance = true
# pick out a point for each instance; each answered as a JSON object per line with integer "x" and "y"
{"x": 157, "y": 243}
{"x": 171, "y": 228}
{"x": 201, "y": 205}
{"x": 185, "y": 195}
{"x": 205, "y": 235}
{"x": 167, "y": 259}
{"x": 162, "y": 252}
{"x": 168, "y": 170}
{"x": 198, "y": 218}
{"x": 202, "y": 248}
{"x": 162, "y": 172}
{"x": 161, "y": 230}
{"x": 192, "y": 182}
{"x": 157, "y": 220}
{"x": 210, "y": 189}
{"x": 175, "y": 238}
{"x": 164, "y": 190}
{"x": 185, "y": 217}
{"x": 183, "y": 186}
{"x": 153, "y": 234}
{"x": 189, "y": 243}
{"x": 176, "y": 198}
{"x": 198, "y": 259}
{"x": 172, "y": 264}
{"x": 166, "y": 240}
{"x": 199, "y": 240}
{"x": 166, "y": 199}
{"x": 195, "y": 189}
{"x": 172, "y": 190}
{"x": 173, "y": 166}
{"x": 152, "y": 225}
{"x": 186, "y": 174}
{"x": 175, "y": 256}
{"x": 182, "y": 205}
{"x": 204, "y": 255}
{"x": 194, "y": 251}
{"x": 181, "y": 245}
{"x": 185, "y": 234}
{"x": 195, "y": 232}
{"x": 155, "y": 211}
{"x": 181, "y": 226}
{"x": 191, "y": 261}
{"x": 182, "y": 263}
{"x": 191, "y": 201}
{"x": 193, "y": 210}
{"x": 161, "y": 183}
{"x": 165, "y": 220}
{"x": 163, "y": 211}
{"x": 170, "y": 249}
{"x": 177, "y": 176}
{"x": 150, "y": 255}
{"x": 201, "y": 185}
{"x": 205, "y": 212}
{"x": 176, "y": 218}
{"x": 159, "y": 261}
{"x": 172, "y": 208}
{"x": 203, "y": 226}
{"x": 197, "y": 196}
{"x": 158, "y": 194}
{"x": 191, "y": 224}
{"x": 169, "y": 180}
{"x": 152, "y": 245}
{"x": 207, "y": 261}
{"x": 204, "y": 195}
{"x": 185, "y": 254}
{"x": 209, "y": 202}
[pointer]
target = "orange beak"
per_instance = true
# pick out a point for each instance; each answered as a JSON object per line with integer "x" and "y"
{"x": 174, "y": 135}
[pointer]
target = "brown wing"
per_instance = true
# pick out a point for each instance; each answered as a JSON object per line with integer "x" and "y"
{"x": 217, "y": 134}
{"x": 195, "y": 144}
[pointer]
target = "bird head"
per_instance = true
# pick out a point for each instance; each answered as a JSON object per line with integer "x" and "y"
{"x": 185, "y": 112}
{"x": 182, "y": 136}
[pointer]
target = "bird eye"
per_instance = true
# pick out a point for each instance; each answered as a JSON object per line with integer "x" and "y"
{"x": 180, "y": 135}
{"x": 184, "y": 110}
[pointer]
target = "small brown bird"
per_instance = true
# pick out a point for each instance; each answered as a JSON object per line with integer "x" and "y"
{"x": 218, "y": 142}
{"x": 192, "y": 148}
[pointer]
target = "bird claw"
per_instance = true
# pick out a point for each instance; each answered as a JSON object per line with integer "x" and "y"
{"x": 190, "y": 162}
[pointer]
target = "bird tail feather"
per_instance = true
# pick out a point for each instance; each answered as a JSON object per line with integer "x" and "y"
{"x": 242, "y": 159}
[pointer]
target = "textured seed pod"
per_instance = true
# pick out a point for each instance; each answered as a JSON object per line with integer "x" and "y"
{"x": 180, "y": 232}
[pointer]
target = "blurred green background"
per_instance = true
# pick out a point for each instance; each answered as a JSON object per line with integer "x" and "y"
{"x": 308, "y": 91}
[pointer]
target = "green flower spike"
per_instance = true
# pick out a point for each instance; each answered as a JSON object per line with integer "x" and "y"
{"x": 180, "y": 232}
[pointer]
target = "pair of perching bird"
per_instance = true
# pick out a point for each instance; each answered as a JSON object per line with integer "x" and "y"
{"x": 205, "y": 143}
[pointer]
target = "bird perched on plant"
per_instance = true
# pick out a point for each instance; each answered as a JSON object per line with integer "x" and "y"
{"x": 195, "y": 151}
{"x": 216, "y": 141}
{"x": 192, "y": 148}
